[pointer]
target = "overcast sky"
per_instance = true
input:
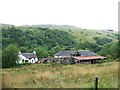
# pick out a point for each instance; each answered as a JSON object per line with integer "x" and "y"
{"x": 92, "y": 14}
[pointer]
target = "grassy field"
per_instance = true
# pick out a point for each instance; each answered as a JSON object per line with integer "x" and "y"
{"x": 61, "y": 76}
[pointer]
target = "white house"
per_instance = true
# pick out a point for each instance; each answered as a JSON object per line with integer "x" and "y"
{"x": 27, "y": 57}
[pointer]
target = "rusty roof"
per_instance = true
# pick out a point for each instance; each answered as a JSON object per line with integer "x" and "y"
{"x": 88, "y": 57}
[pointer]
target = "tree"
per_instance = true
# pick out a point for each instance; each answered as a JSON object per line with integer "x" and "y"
{"x": 111, "y": 50}
{"x": 23, "y": 49}
{"x": 10, "y": 56}
{"x": 114, "y": 50}
{"x": 41, "y": 53}
{"x": 102, "y": 41}
{"x": 55, "y": 50}
{"x": 105, "y": 49}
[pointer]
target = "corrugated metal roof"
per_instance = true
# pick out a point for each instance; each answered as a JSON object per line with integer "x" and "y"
{"x": 89, "y": 57}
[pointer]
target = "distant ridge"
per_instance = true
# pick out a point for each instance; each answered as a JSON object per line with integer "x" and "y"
{"x": 45, "y": 26}
{"x": 53, "y": 26}
{"x": 6, "y": 24}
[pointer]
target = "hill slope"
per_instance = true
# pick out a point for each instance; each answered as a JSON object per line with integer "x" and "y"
{"x": 49, "y": 39}
{"x": 83, "y": 34}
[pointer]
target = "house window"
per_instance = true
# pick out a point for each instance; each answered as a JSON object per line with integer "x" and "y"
{"x": 26, "y": 61}
{"x": 23, "y": 60}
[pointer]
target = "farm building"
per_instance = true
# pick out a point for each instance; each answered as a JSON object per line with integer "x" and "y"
{"x": 63, "y": 54}
{"x": 27, "y": 57}
{"x": 88, "y": 59}
{"x": 80, "y": 56}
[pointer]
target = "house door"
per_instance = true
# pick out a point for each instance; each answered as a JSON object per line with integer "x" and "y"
{"x": 78, "y": 61}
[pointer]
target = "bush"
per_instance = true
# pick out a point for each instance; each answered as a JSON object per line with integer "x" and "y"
{"x": 110, "y": 50}
{"x": 10, "y": 56}
{"x": 101, "y": 61}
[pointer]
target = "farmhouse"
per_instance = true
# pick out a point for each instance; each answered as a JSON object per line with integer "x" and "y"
{"x": 27, "y": 57}
{"x": 80, "y": 56}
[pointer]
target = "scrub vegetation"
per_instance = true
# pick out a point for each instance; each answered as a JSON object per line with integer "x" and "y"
{"x": 61, "y": 76}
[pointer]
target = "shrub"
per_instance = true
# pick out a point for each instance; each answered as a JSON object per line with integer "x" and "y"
{"x": 10, "y": 56}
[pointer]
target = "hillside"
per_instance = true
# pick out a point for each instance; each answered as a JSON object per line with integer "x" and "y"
{"x": 81, "y": 34}
{"x": 49, "y": 39}
{"x": 88, "y": 34}
{"x": 60, "y": 76}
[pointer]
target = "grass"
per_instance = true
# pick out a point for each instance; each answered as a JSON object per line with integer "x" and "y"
{"x": 60, "y": 76}
{"x": 90, "y": 34}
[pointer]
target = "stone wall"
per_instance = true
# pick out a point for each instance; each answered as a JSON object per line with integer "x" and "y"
{"x": 67, "y": 60}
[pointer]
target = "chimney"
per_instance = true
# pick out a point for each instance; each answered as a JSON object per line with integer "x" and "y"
{"x": 34, "y": 52}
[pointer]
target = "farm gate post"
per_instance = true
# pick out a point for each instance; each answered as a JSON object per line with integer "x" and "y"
{"x": 96, "y": 83}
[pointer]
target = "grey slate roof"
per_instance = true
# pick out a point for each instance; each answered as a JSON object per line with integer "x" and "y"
{"x": 86, "y": 53}
{"x": 81, "y": 52}
{"x": 29, "y": 55}
{"x": 64, "y": 53}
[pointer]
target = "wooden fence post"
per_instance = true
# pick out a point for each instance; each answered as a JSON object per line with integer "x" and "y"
{"x": 96, "y": 83}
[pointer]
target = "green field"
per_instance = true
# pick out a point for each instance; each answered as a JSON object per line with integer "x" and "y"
{"x": 61, "y": 76}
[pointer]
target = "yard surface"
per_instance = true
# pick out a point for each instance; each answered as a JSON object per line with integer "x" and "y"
{"x": 61, "y": 76}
